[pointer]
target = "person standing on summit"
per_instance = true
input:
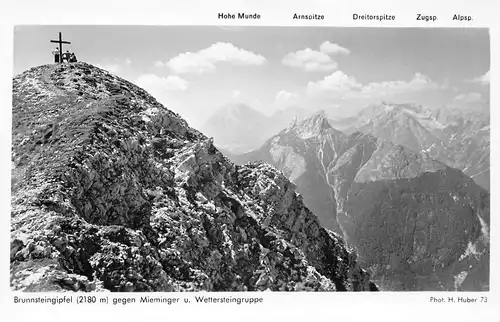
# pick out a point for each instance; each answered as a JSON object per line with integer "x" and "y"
{"x": 55, "y": 52}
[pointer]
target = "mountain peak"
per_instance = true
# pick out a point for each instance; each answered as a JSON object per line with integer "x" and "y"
{"x": 310, "y": 127}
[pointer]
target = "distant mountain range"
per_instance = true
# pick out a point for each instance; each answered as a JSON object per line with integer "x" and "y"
{"x": 458, "y": 138}
{"x": 417, "y": 223}
{"x": 239, "y": 128}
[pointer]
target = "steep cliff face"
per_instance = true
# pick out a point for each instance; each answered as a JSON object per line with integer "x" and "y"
{"x": 112, "y": 191}
{"x": 416, "y": 223}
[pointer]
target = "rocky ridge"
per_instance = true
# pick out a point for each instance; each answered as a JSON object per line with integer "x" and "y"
{"x": 111, "y": 191}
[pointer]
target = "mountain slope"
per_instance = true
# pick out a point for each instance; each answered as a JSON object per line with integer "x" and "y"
{"x": 468, "y": 133}
{"x": 302, "y": 151}
{"x": 112, "y": 191}
{"x": 412, "y": 220}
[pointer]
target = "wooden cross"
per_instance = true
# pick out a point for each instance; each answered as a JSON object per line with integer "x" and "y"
{"x": 60, "y": 42}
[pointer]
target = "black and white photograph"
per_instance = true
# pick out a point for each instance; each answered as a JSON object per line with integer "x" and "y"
{"x": 250, "y": 158}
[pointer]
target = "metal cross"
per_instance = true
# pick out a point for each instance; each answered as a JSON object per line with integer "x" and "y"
{"x": 60, "y": 42}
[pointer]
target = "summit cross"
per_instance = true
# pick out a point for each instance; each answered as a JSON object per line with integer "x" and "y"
{"x": 60, "y": 42}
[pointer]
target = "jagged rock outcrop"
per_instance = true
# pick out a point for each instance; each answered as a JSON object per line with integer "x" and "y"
{"x": 415, "y": 223}
{"x": 111, "y": 191}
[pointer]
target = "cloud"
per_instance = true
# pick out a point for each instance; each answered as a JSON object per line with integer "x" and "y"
{"x": 336, "y": 84}
{"x": 159, "y": 63}
{"x": 469, "y": 98}
{"x": 284, "y": 96}
{"x": 206, "y": 59}
{"x": 334, "y": 49}
{"x": 483, "y": 79}
{"x": 315, "y": 61}
{"x": 310, "y": 61}
{"x": 235, "y": 94}
{"x": 157, "y": 85}
{"x": 340, "y": 85}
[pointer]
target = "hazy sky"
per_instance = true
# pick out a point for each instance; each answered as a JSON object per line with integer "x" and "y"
{"x": 196, "y": 70}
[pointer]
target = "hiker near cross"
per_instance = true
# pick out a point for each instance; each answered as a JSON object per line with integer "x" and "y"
{"x": 60, "y": 42}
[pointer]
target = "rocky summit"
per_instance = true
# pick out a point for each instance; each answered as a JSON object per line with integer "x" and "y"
{"x": 415, "y": 223}
{"x": 111, "y": 191}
